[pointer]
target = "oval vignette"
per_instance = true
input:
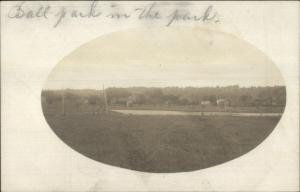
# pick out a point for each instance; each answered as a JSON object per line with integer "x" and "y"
{"x": 164, "y": 100}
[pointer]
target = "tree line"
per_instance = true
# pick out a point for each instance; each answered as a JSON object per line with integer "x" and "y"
{"x": 233, "y": 95}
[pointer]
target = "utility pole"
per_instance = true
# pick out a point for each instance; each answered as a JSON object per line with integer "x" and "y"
{"x": 105, "y": 101}
{"x": 63, "y": 103}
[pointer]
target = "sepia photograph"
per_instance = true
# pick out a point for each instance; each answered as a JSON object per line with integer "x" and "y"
{"x": 176, "y": 105}
{"x": 149, "y": 96}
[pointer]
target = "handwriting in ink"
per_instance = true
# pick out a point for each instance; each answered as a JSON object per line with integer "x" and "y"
{"x": 93, "y": 10}
{"x": 206, "y": 16}
{"x": 19, "y": 12}
{"x": 149, "y": 13}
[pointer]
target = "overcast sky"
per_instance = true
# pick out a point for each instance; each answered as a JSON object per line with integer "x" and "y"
{"x": 164, "y": 57}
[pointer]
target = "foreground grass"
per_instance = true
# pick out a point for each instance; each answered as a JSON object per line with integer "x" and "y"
{"x": 161, "y": 143}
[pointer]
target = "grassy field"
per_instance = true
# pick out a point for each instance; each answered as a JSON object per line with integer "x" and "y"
{"x": 72, "y": 108}
{"x": 161, "y": 143}
{"x": 209, "y": 108}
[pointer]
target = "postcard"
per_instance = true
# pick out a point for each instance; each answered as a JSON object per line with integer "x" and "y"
{"x": 150, "y": 96}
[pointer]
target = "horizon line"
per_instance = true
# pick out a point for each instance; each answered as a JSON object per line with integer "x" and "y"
{"x": 181, "y": 87}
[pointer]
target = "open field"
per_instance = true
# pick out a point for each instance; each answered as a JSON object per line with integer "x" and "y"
{"x": 73, "y": 108}
{"x": 209, "y": 108}
{"x": 160, "y": 112}
{"x": 161, "y": 143}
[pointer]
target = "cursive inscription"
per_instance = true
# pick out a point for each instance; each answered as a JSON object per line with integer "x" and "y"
{"x": 151, "y": 11}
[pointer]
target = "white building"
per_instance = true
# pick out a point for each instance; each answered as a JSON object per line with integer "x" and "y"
{"x": 205, "y": 102}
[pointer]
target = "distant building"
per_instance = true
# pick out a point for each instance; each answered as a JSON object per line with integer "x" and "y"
{"x": 205, "y": 102}
{"x": 222, "y": 102}
{"x": 131, "y": 100}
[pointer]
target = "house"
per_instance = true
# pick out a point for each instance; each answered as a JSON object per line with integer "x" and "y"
{"x": 222, "y": 102}
{"x": 131, "y": 100}
{"x": 205, "y": 102}
{"x": 125, "y": 101}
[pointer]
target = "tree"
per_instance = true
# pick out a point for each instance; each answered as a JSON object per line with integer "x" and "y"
{"x": 245, "y": 100}
{"x": 94, "y": 99}
{"x": 116, "y": 93}
{"x": 154, "y": 96}
{"x": 171, "y": 99}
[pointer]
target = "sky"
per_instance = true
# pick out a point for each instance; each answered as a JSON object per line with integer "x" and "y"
{"x": 164, "y": 57}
